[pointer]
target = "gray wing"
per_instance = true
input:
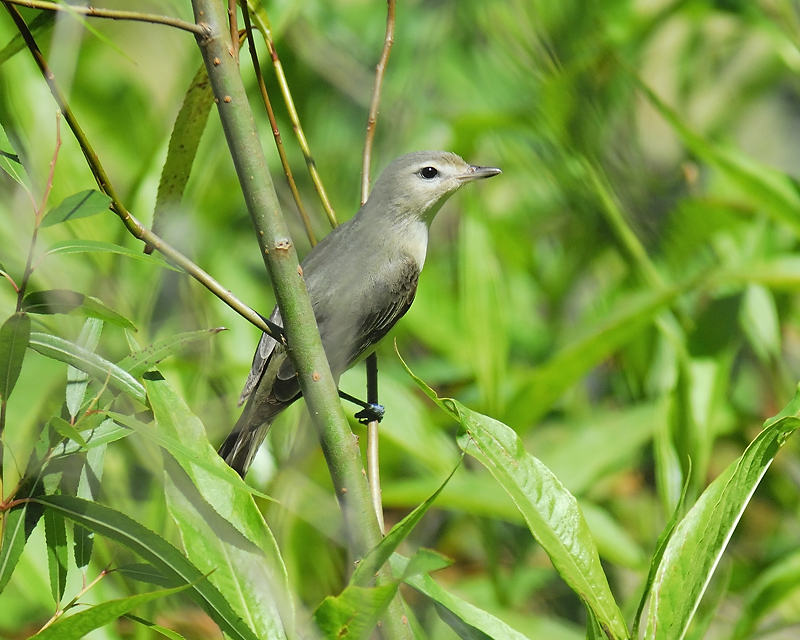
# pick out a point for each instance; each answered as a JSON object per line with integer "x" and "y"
{"x": 264, "y": 350}
{"x": 349, "y": 333}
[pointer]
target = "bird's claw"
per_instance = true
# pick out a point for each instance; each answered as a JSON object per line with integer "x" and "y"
{"x": 371, "y": 413}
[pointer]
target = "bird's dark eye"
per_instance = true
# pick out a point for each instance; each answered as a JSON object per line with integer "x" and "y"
{"x": 429, "y": 173}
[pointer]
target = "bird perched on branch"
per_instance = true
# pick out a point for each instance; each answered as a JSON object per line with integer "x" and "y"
{"x": 361, "y": 280}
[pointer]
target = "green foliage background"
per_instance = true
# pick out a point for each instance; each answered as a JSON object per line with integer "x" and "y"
{"x": 624, "y": 295}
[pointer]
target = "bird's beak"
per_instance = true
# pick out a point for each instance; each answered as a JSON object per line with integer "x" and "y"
{"x": 478, "y": 173}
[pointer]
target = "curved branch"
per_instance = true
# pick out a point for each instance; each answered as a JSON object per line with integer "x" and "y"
{"x": 111, "y": 14}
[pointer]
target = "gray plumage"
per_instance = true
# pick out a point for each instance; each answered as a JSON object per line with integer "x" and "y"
{"x": 361, "y": 278}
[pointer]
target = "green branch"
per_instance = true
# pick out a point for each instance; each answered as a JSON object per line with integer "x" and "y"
{"x": 304, "y": 344}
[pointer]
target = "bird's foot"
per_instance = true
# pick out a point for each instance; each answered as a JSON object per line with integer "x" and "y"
{"x": 372, "y": 412}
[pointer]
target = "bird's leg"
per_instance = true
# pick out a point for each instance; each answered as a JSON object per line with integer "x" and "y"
{"x": 369, "y": 410}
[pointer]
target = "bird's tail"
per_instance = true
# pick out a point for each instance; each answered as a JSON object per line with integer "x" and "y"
{"x": 247, "y": 435}
{"x": 242, "y": 443}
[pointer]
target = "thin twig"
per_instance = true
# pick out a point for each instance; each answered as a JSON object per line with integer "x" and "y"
{"x": 275, "y": 131}
{"x": 136, "y": 228}
{"x": 380, "y": 71}
{"x": 373, "y": 441}
{"x": 234, "y": 28}
{"x": 111, "y": 14}
{"x": 266, "y": 31}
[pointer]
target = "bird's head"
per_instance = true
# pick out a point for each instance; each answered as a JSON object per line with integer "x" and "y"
{"x": 416, "y": 185}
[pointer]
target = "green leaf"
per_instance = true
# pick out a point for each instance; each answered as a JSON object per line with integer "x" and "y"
{"x": 44, "y": 20}
{"x": 138, "y": 363}
{"x": 10, "y": 162}
{"x": 185, "y": 453}
{"x": 65, "y": 429}
{"x": 78, "y": 357}
{"x": 154, "y": 549}
{"x": 466, "y": 619}
{"x": 77, "y": 380}
{"x": 76, "y": 626}
{"x": 183, "y": 143}
{"x": 107, "y": 431}
{"x": 65, "y": 301}
{"x": 551, "y": 512}
{"x": 209, "y": 497}
{"x": 661, "y": 545}
{"x": 168, "y": 633}
{"x": 14, "y": 337}
{"x": 354, "y": 613}
{"x": 696, "y": 546}
{"x": 376, "y": 557}
{"x": 97, "y": 246}
{"x": 88, "y": 489}
{"x": 80, "y": 205}
{"x": 55, "y": 534}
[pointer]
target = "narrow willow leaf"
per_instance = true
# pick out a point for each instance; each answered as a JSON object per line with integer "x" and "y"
{"x": 76, "y": 626}
{"x": 97, "y": 246}
{"x": 80, "y": 205}
{"x": 551, "y": 512}
{"x": 107, "y": 431}
{"x": 65, "y": 429}
{"x": 376, "y": 557}
{"x": 696, "y": 546}
{"x": 88, "y": 489}
{"x": 466, "y": 619}
{"x": 183, "y": 143}
{"x": 153, "y": 548}
{"x": 55, "y": 535}
{"x": 14, "y": 337}
{"x": 65, "y": 301}
{"x": 138, "y": 363}
{"x": 212, "y": 498}
{"x": 78, "y": 357}
{"x": 77, "y": 380}
{"x": 168, "y": 633}
{"x": 185, "y": 454}
{"x": 238, "y": 568}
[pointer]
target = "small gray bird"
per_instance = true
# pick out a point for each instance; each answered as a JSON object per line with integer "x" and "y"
{"x": 361, "y": 280}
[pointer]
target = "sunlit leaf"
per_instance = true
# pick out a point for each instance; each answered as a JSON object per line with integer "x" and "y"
{"x": 78, "y": 357}
{"x": 696, "y": 546}
{"x": 77, "y": 625}
{"x": 550, "y": 511}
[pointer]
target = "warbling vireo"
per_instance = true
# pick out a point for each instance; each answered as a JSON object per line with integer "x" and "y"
{"x": 361, "y": 280}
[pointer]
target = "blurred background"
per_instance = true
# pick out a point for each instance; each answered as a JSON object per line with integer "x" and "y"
{"x": 625, "y": 295}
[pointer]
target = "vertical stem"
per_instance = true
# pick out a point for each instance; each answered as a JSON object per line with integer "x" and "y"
{"x": 373, "y": 440}
{"x": 304, "y": 345}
